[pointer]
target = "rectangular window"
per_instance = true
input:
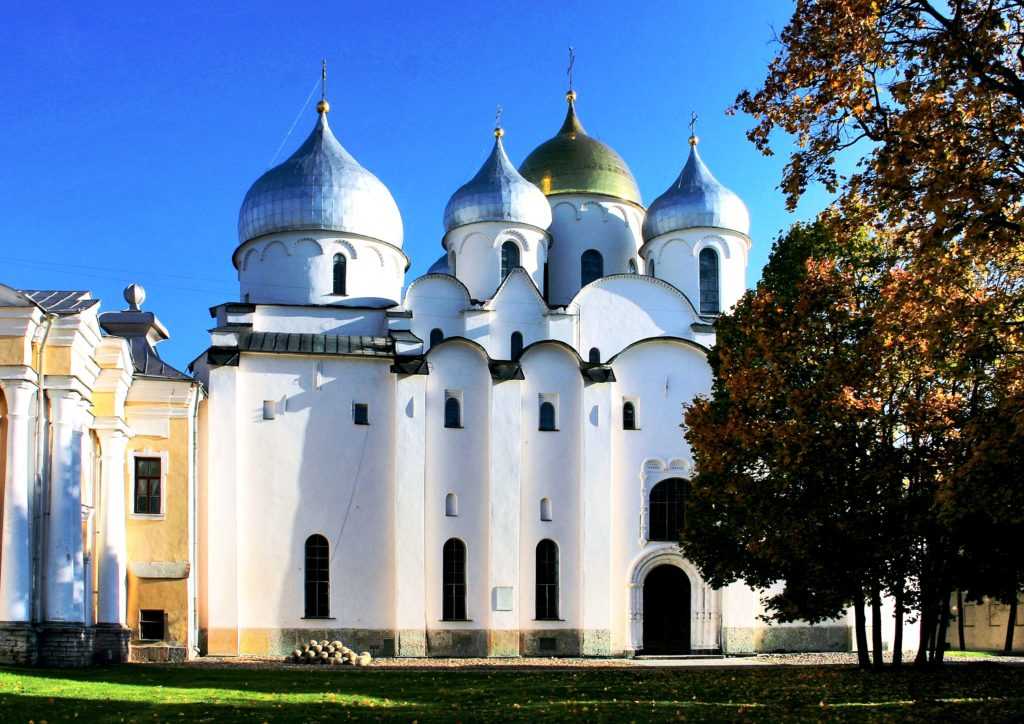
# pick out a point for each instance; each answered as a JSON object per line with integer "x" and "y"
{"x": 151, "y": 624}
{"x": 147, "y": 486}
{"x": 360, "y": 413}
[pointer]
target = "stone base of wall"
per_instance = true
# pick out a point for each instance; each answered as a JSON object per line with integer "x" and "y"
{"x": 110, "y": 643}
{"x": 457, "y": 642}
{"x": 410, "y": 643}
{"x": 596, "y": 642}
{"x": 767, "y": 639}
{"x": 65, "y": 644}
{"x": 281, "y": 642}
{"x": 551, "y": 642}
{"x": 502, "y": 643}
{"x": 18, "y": 644}
{"x": 158, "y": 653}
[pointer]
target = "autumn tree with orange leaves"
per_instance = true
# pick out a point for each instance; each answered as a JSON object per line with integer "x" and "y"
{"x": 930, "y": 98}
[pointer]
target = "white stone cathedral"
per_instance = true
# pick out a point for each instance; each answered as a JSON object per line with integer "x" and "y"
{"x": 489, "y": 463}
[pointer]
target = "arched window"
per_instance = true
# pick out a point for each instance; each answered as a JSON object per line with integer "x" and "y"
{"x": 436, "y": 336}
{"x": 517, "y": 345}
{"x": 545, "y": 509}
{"x": 667, "y": 510}
{"x": 709, "y": 281}
{"x": 453, "y": 580}
{"x": 632, "y": 266}
{"x": 591, "y": 266}
{"x": 594, "y": 356}
{"x": 451, "y": 505}
{"x": 547, "y": 581}
{"x": 339, "y": 273}
{"x": 452, "y": 412}
{"x": 451, "y": 264}
{"x": 628, "y": 416}
{"x": 650, "y": 267}
{"x": 509, "y": 258}
{"x": 318, "y": 585}
{"x": 547, "y": 416}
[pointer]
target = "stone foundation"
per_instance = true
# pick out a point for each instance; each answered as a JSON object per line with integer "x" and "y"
{"x": 281, "y": 642}
{"x": 411, "y": 643}
{"x": 767, "y": 639}
{"x": 457, "y": 642}
{"x": 18, "y": 644}
{"x": 110, "y": 643}
{"x": 551, "y": 642}
{"x": 157, "y": 653}
{"x": 596, "y": 642}
{"x": 65, "y": 644}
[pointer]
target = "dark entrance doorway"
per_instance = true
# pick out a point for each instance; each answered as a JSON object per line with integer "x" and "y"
{"x": 666, "y": 611}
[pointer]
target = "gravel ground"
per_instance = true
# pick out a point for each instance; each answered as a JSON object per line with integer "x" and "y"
{"x": 804, "y": 659}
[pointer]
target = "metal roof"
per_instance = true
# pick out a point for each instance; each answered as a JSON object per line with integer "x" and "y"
{"x": 330, "y": 344}
{"x": 61, "y": 302}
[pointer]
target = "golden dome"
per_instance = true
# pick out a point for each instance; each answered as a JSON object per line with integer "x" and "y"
{"x": 574, "y": 163}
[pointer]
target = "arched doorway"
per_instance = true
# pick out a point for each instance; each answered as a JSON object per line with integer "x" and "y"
{"x": 666, "y": 611}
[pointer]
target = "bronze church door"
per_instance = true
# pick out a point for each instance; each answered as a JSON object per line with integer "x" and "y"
{"x": 666, "y": 611}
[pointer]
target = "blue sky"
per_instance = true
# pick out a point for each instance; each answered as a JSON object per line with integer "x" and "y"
{"x": 130, "y": 132}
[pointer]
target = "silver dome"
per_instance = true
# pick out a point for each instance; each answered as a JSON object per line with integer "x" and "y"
{"x": 497, "y": 193}
{"x": 322, "y": 187}
{"x": 440, "y": 266}
{"x": 696, "y": 199}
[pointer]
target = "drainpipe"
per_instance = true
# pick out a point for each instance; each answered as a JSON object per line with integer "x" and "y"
{"x": 42, "y": 496}
{"x": 194, "y": 503}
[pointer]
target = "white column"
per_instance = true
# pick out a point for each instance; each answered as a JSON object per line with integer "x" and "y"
{"x": 65, "y": 591}
{"x": 112, "y": 544}
{"x": 410, "y": 567}
{"x": 16, "y": 563}
{"x": 596, "y": 522}
{"x": 505, "y": 517}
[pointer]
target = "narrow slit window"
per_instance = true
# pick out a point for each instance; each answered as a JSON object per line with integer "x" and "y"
{"x": 628, "y": 416}
{"x": 451, "y": 505}
{"x": 340, "y": 272}
{"x": 453, "y": 580}
{"x": 709, "y": 295}
{"x": 547, "y": 416}
{"x": 594, "y": 356}
{"x": 547, "y": 581}
{"x": 516, "y": 345}
{"x": 545, "y": 509}
{"x": 317, "y": 573}
{"x": 452, "y": 412}
{"x": 509, "y": 258}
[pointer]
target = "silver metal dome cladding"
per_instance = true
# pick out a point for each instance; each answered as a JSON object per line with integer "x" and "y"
{"x": 321, "y": 187}
{"x": 696, "y": 199}
{"x": 497, "y": 193}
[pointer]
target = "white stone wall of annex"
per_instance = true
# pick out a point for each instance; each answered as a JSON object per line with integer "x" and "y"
{"x": 457, "y": 462}
{"x": 551, "y": 469}
{"x": 659, "y": 377}
{"x": 587, "y": 221}
{"x": 438, "y": 301}
{"x": 312, "y": 470}
{"x": 516, "y": 308}
{"x": 359, "y": 321}
{"x": 297, "y": 267}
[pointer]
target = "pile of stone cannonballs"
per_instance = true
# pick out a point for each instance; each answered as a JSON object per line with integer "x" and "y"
{"x": 331, "y": 653}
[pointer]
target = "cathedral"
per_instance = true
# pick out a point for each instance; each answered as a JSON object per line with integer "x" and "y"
{"x": 486, "y": 460}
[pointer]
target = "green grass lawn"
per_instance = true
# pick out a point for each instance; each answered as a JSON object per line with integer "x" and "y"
{"x": 969, "y": 692}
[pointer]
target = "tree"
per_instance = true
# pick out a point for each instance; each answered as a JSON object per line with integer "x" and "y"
{"x": 800, "y": 487}
{"x": 931, "y": 96}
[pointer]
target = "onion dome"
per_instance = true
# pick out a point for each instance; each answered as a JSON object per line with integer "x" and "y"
{"x": 574, "y": 163}
{"x": 320, "y": 187}
{"x": 497, "y": 193}
{"x": 440, "y": 266}
{"x": 696, "y": 199}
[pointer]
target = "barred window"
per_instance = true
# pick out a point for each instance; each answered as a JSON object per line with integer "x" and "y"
{"x": 454, "y": 580}
{"x": 547, "y": 581}
{"x": 147, "y": 486}
{"x": 318, "y": 589}
{"x": 667, "y": 510}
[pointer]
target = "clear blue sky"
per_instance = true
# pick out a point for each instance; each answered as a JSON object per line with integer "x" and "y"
{"x": 130, "y": 133}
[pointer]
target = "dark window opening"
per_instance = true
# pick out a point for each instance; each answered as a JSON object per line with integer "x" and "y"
{"x": 361, "y": 413}
{"x": 436, "y": 337}
{"x": 318, "y": 589}
{"x": 454, "y": 580}
{"x": 509, "y": 258}
{"x": 591, "y": 266}
{"x": 667, "y": 510}
{"x": 452, "y": 412}
{"x": 547, "y": 581}
{"x": 709, "y": 281}
{"x": 547, "y": 644}
{"x": 547, "y": 417}
{"x": 594, "y": 356}
{"x": 628, "y": 416}
{"x": 147, "y": 486}
{"x": 517, "y": 345}
{"x": 650, "y": 266}
{"x": 340, "y": 265}
{"x": 151, "y": 624}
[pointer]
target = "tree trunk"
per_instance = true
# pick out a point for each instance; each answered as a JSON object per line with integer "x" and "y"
{"x": 960, "y": 618}
{"x": 1010, "y": 623}
{"x": 876, "y": 627}
{"x": 897, "y": 636}
{"x": 940, "y": 636}
{"x": 925, "y": 628}
{"x": 863, "y": 659}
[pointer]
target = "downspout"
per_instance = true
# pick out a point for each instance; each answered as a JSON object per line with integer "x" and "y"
{"x": 194, "y": 504}
{"x": 42, "y": 496}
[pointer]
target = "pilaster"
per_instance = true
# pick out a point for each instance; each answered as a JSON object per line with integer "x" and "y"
{"x": 505, "y": 502}
{"x": 112, "y": 536}
{"x": 410, "y": 491}
{"x": 16, "y": 561}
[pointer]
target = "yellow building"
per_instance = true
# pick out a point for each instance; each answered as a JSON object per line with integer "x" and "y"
{"x": 98, "y": 470}
{"x": 984, "y": 625}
